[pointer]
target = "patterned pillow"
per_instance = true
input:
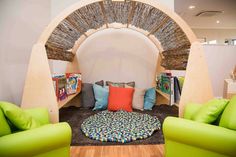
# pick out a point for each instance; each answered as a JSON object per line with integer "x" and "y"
{"x": 120, "y": 84}
{"x": 101, "y": 83}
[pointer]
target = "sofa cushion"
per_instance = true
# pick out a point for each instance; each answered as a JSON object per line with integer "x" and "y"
{"x": 149, "y": 99}
{"x": 4, "y": 127}
{"x": 40, "y": 114}
{"x": 87, "y": 94}
{"x": 228, "y": 118}
{"x": 138, "y": 98}
{"x": 190, "y": 109}
{"x": 18, "y": 117}
{"x": 100, "y": 83}
{"x": 210, "y": 111}
{"x": 120, "y": 84}
{"x": 120, "y": 99}
{"x": 101, "y": 97}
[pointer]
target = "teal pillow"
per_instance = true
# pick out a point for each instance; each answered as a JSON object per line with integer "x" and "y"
{"x": 101, "y": 97}
{"x": 210, "y": 111}
{"x": 4, "y": 127}
{"x": 228, "y": 118}
{"x": 18, "y": 117}
{"x": 149, "y": 99}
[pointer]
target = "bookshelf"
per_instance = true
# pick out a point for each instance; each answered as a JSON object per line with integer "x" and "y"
{"x": 162, "y": 98}
{"x": 71, "y": 85}
{"x": 65, "y": 101}
{"x": 166, "y": 96}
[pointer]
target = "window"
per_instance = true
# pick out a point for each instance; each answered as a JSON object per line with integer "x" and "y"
{"x": 234, "y": 41}
{"x": 212, "y": 42}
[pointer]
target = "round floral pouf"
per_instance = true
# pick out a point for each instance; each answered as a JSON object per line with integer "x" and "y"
{"x": 120, "y": 126}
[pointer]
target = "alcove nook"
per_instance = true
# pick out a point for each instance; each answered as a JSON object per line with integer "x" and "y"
{"x": 176, "y": 43}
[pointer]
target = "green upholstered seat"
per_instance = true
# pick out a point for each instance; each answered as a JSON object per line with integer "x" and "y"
{"x": 47, "y": 140}
{"x": 4, "y": 126}
{"x": 185, "y": 137}
{"x": 228, "y": 118}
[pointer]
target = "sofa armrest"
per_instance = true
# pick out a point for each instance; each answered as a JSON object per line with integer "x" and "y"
{"x": 205, "y": 136}
{"x": 190, "y": 109}
{"x": 40, "y": 114}
{"x": 36, "y": 141}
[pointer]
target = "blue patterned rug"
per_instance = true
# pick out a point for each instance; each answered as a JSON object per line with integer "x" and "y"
{"x": 120, "y": 126}
{"x": 75, "y": 117}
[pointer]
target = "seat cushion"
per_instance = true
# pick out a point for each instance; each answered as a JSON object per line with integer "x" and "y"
{"x": 4, "y": 127}
{"x": 87, "y": 94}
{"x": 101, "y": 97}
{"x": 120, "y": 84}
{"x": 120, "y": 99}
{"x": 149, "y": 98}
{"x": 190, "y": 109}
{"x": 138, "y": 99}
{"x": 18, "y": 117}
{"x": 210, "y": 111}
{"x": 228, "y": 118}
{"x": 40, "y": 114}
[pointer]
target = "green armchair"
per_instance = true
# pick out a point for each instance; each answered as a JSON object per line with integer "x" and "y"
{"x": 185, "y": 137}
{"x": 48, "y": 140}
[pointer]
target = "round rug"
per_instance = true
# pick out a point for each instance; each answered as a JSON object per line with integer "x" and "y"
{"x": 120, "y": 126}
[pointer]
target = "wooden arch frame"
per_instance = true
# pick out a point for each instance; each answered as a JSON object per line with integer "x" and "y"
{"x": 197, "y": 86}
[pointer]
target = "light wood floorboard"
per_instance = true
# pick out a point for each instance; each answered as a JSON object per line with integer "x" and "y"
{"x": 118, "y": 151}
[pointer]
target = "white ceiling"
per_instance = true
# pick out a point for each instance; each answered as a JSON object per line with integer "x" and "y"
{"x": 227, "y": 19}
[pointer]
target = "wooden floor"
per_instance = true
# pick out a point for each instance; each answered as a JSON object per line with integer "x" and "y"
{"x": 118, "y": 151}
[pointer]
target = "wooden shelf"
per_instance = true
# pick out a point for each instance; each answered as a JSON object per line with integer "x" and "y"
{"x": 63, "y": 102}
{"x": 165, "y": 95}
{"x": 162, "y": 98}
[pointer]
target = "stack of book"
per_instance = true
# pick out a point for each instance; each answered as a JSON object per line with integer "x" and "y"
{"x": 169, "y": 84}
{"x": 66, "y": 84}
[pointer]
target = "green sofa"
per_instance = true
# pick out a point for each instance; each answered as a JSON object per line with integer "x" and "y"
{"x": 48, "y": 140}
{"x": 185, "y": 137}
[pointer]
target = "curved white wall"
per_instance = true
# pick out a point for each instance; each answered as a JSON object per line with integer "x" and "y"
{"x": 118, "y": 55}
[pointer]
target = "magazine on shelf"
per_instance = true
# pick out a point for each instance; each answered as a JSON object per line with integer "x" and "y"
{"x": 73, "y": 82}
{"x": 59, "y": 83}
{"x": 172, "y": 94}
{"x": 66, "y": 84}
{"x": 170, "y": 85}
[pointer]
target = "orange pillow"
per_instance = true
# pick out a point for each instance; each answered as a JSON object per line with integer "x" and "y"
{"x": 120, "y": 99}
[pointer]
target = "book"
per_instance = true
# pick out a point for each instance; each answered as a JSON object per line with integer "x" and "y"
{"x": 172, "y": 91}
{"x": 73, "y": 81}
{"x": 170, "y": 85}
{"x": 166, "y": 84}
{"x": 59, "y": 83}
{"x": 177, "y": 90}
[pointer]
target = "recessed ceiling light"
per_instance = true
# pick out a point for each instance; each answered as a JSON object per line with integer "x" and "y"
{"x": 191, "y": 7}
{"x": 217, "y": 21}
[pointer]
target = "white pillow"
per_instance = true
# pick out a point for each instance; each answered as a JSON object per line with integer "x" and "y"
{"x": 138, "y": 99}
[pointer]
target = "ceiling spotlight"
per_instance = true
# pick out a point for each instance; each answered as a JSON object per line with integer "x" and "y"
{"x": 191, "y": 7}
{"x": 217, "y": 21}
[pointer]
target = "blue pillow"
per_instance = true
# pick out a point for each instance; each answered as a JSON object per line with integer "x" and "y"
{"x": 149, "y": 98}
{"x": 101, "y": 97}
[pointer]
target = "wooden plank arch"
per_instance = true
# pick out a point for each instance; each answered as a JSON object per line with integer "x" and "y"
{"x": 192, "y": 91}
